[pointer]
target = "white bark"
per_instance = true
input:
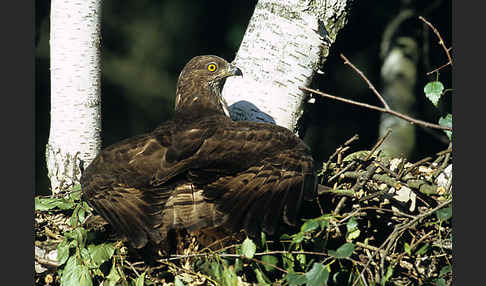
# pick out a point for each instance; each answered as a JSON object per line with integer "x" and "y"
{"x": 399, "y": 74}
{"x": 75, "y": 90}
{"x": 283, "y": 46}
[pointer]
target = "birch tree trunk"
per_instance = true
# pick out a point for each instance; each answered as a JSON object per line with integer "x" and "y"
{"x": 75, "y": 90}
{"x": 285, "y": 43}
{"x": 399, "y": 75}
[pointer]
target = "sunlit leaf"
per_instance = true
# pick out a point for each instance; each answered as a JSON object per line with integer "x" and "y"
{"x": 446, "y": 121}
{"x": 44, "y": 204}
{"x": 444, "y": 214}
{"x": 352, "y": 224}
{"x": 62, "y": 252}
{"x": 269, "y": 260}
{"x": 79, "y": 235}
{"x": 248, "y": 248}
{"x": 229, "y": 277}
{"x": 261, "y": 278}
{"x": 352, "y": 229}
{"x": 444, "y": 270}
{"x": 309, "y": 225}
{"x": 296, "y": 278}
{"x": 440, "y": 282}
{"x": 298, "y": 237}
{"x": 433, "y": 91}
{"x": 238, "y": 265}
{"x": 343, "y": 251}
{"x": 288, "y": 261}
{"x": 75, "y": 274}
{"x": 423, "y": 249}
{"x": 407, "y": 248}
{"x": 101, "y": 253}
{"x": 178, "y": 281}
{"x": 140, "y": 281}
{"x": 318, "y": 275}
{"x": 388, "y": 274}
{"x": 113, "y": 276}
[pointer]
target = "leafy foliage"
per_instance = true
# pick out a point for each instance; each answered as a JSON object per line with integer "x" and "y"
{"x": 434, "y": 91}
{"x": 365, "y": 239}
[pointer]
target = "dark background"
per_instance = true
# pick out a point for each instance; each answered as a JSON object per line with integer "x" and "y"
{"x": 146, "y": 43}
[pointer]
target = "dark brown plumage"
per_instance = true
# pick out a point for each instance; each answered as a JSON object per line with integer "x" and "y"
{"x": 200, "y": 169}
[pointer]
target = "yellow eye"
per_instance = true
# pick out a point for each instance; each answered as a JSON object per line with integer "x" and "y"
{"x": 211, "y": 67}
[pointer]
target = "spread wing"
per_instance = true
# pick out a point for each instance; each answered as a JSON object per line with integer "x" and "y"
{"x": 119, "y": 185}
{"x": 199, "y": 175}
{"x": 256, "y": 173}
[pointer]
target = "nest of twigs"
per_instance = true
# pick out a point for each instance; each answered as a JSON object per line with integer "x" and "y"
{"x": 393, "y": 216}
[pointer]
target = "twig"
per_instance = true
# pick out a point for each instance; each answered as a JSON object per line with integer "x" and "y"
{"x": 439, "y": 68}
{"x": 384, "y": 110}
{"x": 378, "y": 144}
{"x": 347, "y": 62}
{"x": 414, "y": 165}
{"x": 342, "y": 171}
{"x": 401, "y": 228}
{"x": 441, "y": 41}
{"x": 46, "y": 262}
{"x": 321, "y": 189}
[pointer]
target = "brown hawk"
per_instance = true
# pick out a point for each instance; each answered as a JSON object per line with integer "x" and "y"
{"x": 201, "y": 169}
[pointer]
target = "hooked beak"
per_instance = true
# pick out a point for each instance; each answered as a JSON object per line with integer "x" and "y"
{"x": 234, "y": 70}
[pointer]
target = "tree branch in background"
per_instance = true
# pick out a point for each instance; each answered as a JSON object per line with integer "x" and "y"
{"x": 347, "y": 62}
{"x": 441, "y": 42}
{"x": 389, "y": 111}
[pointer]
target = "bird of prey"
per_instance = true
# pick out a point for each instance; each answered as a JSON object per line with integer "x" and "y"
{"x": 201, "y": 170}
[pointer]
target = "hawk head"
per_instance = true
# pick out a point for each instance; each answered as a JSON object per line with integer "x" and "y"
{"x": 200, "y": 83}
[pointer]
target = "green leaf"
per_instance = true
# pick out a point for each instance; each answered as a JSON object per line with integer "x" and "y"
{"x": 298, "y": 237}
{"x": 45, "y": 204}
{"x": 352, "y": 224}
{"x": 75, "y": 274}
{"x": 140, "y": 281}
{"x": 388, "y": 274}
{"x": 248, "y": 248}
{"x": 352, "y": 229}
{"x": 62, "y": 252}
{"x": 444, "y": 213}
{"x": 215, "y": 270}
{"x": 423, "y": 249}
{"x": 433, "y": 91}
{"x": 178, "y": 281}
{"x": 229, "y": 277}
{"x": 79, "y": 235}
{"x": 318, "y": 275}
{"x": 285, "y": 237}
{"x": 238, "y": 265}
{"x": 301, "y": 258}
{"x": 440, "y": 282}
{"x": 73, "y": 220}
{"x": 295, "y": 278}
{"x": 444, "y": 270}
{"x": 269, "y": 260}
{"x": 353, "y": 234}
{"x": 261, "y": 278}
{"x": 407, "y": 248}
{"x": 101, "y": 253}
{"x": 75, "y": 194}
{"x": 263, "y": 238}
{"x": 288, "y": 261}
{"x": 343, "y": 251}
{"x": 323, "y": 223}
{"x": 85, "y": 257}
{"x": 309, "y": 225}
{"x": 446, "y": 121}
{"x": 113, "y": 276}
